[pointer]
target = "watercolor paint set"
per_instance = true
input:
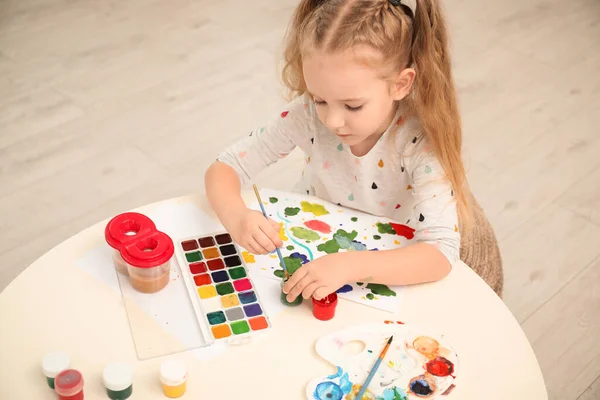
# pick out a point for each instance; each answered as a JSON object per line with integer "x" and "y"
{"x": 223, "y": 295}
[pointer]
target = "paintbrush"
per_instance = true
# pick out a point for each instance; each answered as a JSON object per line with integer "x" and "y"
{"x": 374, "y": 369}
{"x": 262, "y": 208}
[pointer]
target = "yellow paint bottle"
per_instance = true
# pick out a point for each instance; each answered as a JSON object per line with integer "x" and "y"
{"x": 173, "y": 377}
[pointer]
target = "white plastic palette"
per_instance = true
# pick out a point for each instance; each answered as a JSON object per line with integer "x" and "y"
{"x": 418, "y": 364}
{"x": 224, "y": 297}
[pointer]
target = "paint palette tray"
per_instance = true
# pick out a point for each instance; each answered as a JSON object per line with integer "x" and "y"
{"x": 223, "y": 295}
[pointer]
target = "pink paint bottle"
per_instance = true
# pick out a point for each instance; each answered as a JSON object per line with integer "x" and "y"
{"x": 324, "y": 309}
{"x": 148, "y": 261}
{"x": 125, "y": 228}
{"x": 69, "y": 385}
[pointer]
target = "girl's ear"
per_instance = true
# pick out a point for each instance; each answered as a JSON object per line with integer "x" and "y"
{"x": 403, "y": 83}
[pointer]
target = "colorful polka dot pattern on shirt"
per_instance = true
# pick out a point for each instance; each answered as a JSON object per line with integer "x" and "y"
{"x": 399, "y": 178}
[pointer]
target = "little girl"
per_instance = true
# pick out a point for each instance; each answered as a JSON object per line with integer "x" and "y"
{"x": 374, "y": 109}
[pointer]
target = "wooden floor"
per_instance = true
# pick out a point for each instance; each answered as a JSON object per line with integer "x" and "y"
{"x": 108, "y": 105}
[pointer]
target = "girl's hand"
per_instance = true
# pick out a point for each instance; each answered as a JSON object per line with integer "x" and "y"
{"x": 254, "y": 232}
{"x": 318, "y": 278}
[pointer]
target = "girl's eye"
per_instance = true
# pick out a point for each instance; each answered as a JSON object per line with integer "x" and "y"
{"x": 353, "y": 108}
{"x": 319, "y": 102}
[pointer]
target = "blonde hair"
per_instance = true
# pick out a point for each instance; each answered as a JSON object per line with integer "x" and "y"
{"x": 404, "y": 39}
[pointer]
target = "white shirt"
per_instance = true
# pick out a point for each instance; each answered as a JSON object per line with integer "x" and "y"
{"x": 399, "y": 178}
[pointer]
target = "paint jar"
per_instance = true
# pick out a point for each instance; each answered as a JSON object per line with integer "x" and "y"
{"x": 118, "y": 381}
{"x": 324, "y": 309}
{"x": 122, "y": 229}
{"x": 149, "y": 262}
{"x": 173, "y": 377}
{"x": 53, "y": 364}
{"x": 69, "y": 385}
{"x": 297, "y": 301}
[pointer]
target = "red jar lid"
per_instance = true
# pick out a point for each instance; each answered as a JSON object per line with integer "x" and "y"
{"x": 125, "y": 227}
{"x": 150, "y": 251}
{"x": 68, "y": 382}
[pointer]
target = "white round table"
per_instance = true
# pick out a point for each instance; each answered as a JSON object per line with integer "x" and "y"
{"x": 55, "y": 305}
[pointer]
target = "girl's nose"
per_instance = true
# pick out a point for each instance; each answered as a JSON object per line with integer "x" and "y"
{"x": 335, "y": 120}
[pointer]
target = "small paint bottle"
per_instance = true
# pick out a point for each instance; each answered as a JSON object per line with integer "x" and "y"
{"x": 125, "y": 228}
{"x": 69, "y": 385}
{"x": 324, "y": 309}
{"x": 173, "y": 377}
{"x": 297, "y": 301}
{"x": 118, "y": 381}
{"x": 149, "y": 261}
{"x": 53, "y": 364}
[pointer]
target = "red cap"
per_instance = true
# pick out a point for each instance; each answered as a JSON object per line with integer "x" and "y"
{"x": 117, "y": 229}
{"x": 69, "y": 382}
{"x": 150, "y": 251}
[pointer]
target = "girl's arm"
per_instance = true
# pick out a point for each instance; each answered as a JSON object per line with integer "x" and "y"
{"x": 417, "y": 263}
{"x": 429, "y": 258}
{"x": 237, "y": 165}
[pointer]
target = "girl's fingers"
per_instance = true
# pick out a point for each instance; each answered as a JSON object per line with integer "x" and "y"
{"x": 294, "y": 279}
{"x": 321, "y": 292}
{"x": 309, "y": 290}
{"x": 270, "y": 235}
{"x": 299, "y": 287}
{"x": 254, "y": 247}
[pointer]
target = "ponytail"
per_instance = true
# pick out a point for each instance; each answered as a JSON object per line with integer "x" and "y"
{"x": 434, "y": 98}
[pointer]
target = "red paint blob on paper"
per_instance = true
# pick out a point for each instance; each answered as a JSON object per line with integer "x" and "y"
{"x": 403, "y": 230}
{"x": 318, "y": 226}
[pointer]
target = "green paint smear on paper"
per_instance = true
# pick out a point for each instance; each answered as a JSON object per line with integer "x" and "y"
{"x": 291, "y": 211}
{"x": 290, "y": 247}
{"x": 385, "y": 228}
{"x": 380, "y": 290}
{"x": 316, "y": 209}
{"x": 359, "y": 283}
{"x": 354, "y": 219}
{"x": 341, "y": 240}
{"x": 273, "y": 200}
{"x": 376, "y": 237}
{"x": 305, "y": 234}
{"x": 329, "y": 247}
{"x": 291, "y": 264}
{"x": 370, "y": 296}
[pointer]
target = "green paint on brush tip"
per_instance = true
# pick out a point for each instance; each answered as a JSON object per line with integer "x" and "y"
{"x": 291, "y": 211}
{"x": 291, "y": 264}
{"x": 380, "y": 290}
{"x": 273, "y": 200}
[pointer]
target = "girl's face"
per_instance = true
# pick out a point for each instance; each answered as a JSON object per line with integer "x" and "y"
{"x": 352, "y": 99}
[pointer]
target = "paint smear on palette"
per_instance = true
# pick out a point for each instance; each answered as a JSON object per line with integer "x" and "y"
{"x": 273, "y": 200}
{"x": 305, "y": 234}
{"x": 318, "y": 226}
{"x": 317, "y": 209}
